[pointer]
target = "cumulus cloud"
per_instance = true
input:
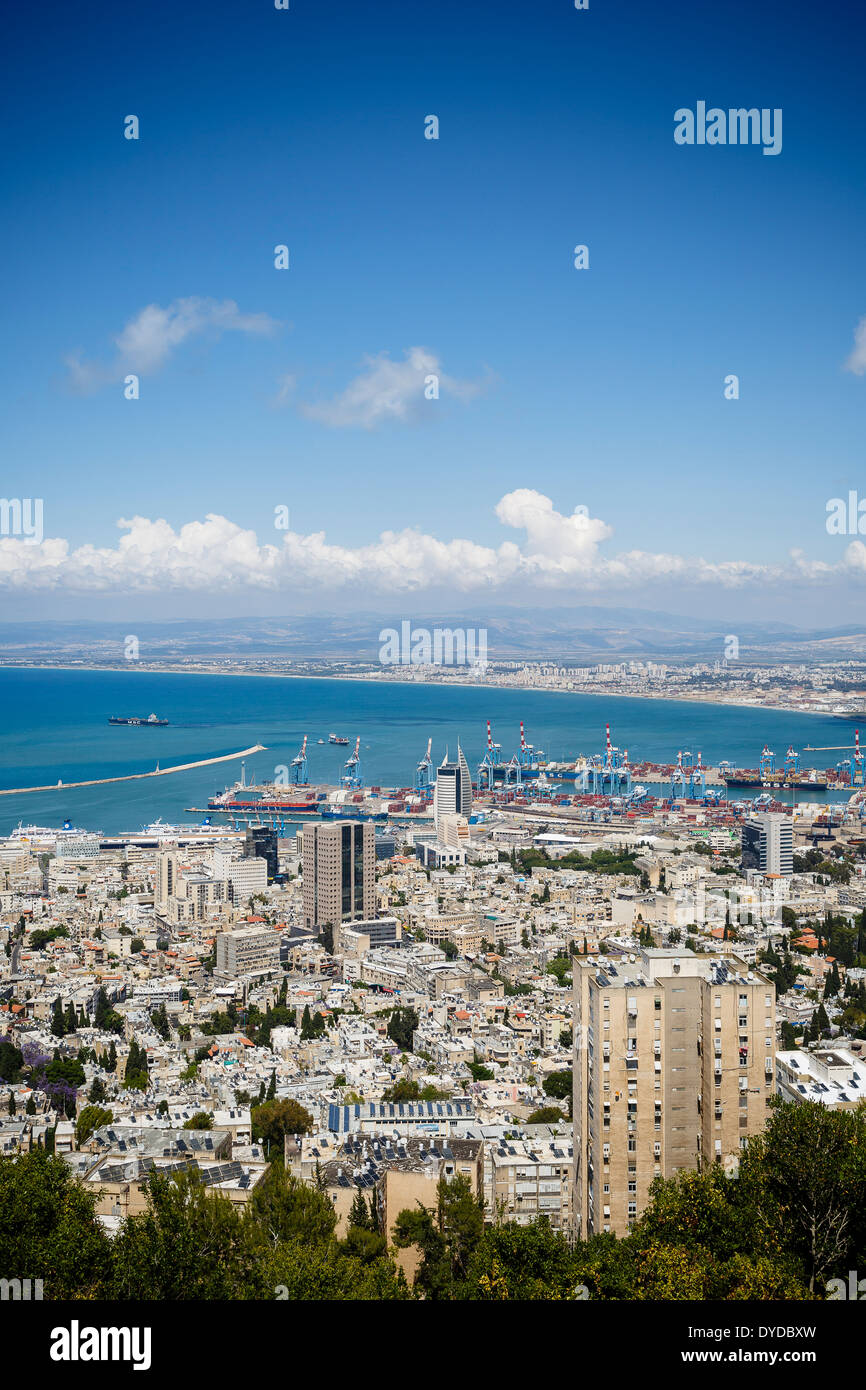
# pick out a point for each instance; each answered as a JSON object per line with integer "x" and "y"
{"x": 558, "y": 551}
{"x": 146, "y": 342}
{"x": 856, "y": 361}
{"x": 385, "y": 390}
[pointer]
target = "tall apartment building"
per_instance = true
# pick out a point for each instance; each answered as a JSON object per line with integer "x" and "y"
{"x": 166, "y": 875}
{"x": 673, "y": 1068}
{"x": 768, "y": 844}
{"x": 339, "y": 870}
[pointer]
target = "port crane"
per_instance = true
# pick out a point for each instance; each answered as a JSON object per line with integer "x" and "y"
{"x": 513, "y": 774}
{"x": 491, "y": 760}
{"x": 611, "y": 773}
{"x": 767, "y": 762}
{"x": 529, "y": 755}
{"x": 697, "y": 779}
{"x": 300, "y": 775}
{"x": 856, "y": 765}
{"x": 424, "y": 770}
{"x": 352, "y": 778}
{"x": 678, "y": 780}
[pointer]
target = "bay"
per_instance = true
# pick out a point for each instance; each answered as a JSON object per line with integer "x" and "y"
{"x": 54, "y": 725}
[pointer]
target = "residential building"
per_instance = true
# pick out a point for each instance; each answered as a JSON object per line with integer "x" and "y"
{"x": 673, "y": 1070}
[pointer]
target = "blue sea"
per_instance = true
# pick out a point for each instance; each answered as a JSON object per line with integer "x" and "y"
{"x": 53, "y": 725}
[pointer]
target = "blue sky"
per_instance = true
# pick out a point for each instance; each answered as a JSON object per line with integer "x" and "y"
{"x": 601, "y": 388}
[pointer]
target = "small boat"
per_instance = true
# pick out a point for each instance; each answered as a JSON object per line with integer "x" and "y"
{"x": 337, "y": 738}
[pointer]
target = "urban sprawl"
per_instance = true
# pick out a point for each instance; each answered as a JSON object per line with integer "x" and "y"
{"x": 541, "y": 1006}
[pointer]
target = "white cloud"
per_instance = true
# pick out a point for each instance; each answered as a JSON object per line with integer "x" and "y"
{"x": 386, "y": 390}
{"x": 559, "y": 552}
{"x": 146, "y": 342}
{"x": 856, "y": 362}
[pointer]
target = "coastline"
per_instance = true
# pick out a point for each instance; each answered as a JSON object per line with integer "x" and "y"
{"x": 673, "y": 697}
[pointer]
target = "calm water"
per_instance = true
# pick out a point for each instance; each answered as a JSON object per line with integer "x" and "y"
{"x": 53, "y": 725}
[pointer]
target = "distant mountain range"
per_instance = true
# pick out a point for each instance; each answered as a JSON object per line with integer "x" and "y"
{"x": 560, "y": 635}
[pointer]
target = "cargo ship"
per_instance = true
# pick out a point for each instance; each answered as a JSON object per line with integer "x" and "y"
{"x": 336, "y": 738}
{"x": 751, "y": 777}
{"x": 151, "y": 722}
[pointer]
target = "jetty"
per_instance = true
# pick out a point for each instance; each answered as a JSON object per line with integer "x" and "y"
{"x": 134, "y": 776}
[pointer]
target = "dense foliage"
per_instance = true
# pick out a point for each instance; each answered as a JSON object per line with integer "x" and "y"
{"x": 793, "y": 1218}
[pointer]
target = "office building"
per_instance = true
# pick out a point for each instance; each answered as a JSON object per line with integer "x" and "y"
{"x": 339, "y": 872}
{"x": 247, "y": 949}
{"x": 673, "y": 1069}
{"x": 452, "y": 794}
{"x": 260, "y": 842}
{"x": 768, "y": 844}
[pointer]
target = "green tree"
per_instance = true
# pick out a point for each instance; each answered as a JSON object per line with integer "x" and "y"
{"x": 11, "y": 1062}
{"x": 286, "y": 1209}
{"x": 480, "y": 1072}
{"x": 135, "y": 1076}
{"x": 559, "y": 1084}
{"x": 200, "y": 1120}
{"x": 811, "y": 1165}
{"x": 58, "y": 1023}
{"x": 67, "y": 1069}
{"x": 92, "y": 1117}
{"x": 159, "y": 1019}
{"x": 789, "y": 1036}
{"x": 273, "y": 1120}
{"x": 546, "y": 1115}
{"x": 48, "y": 1229}
{"x": 447, "y": 1238}
{"x": 401, "y": 1027}
{"x": 360, "y": 1214}
{"x": 189, "y": 1244}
